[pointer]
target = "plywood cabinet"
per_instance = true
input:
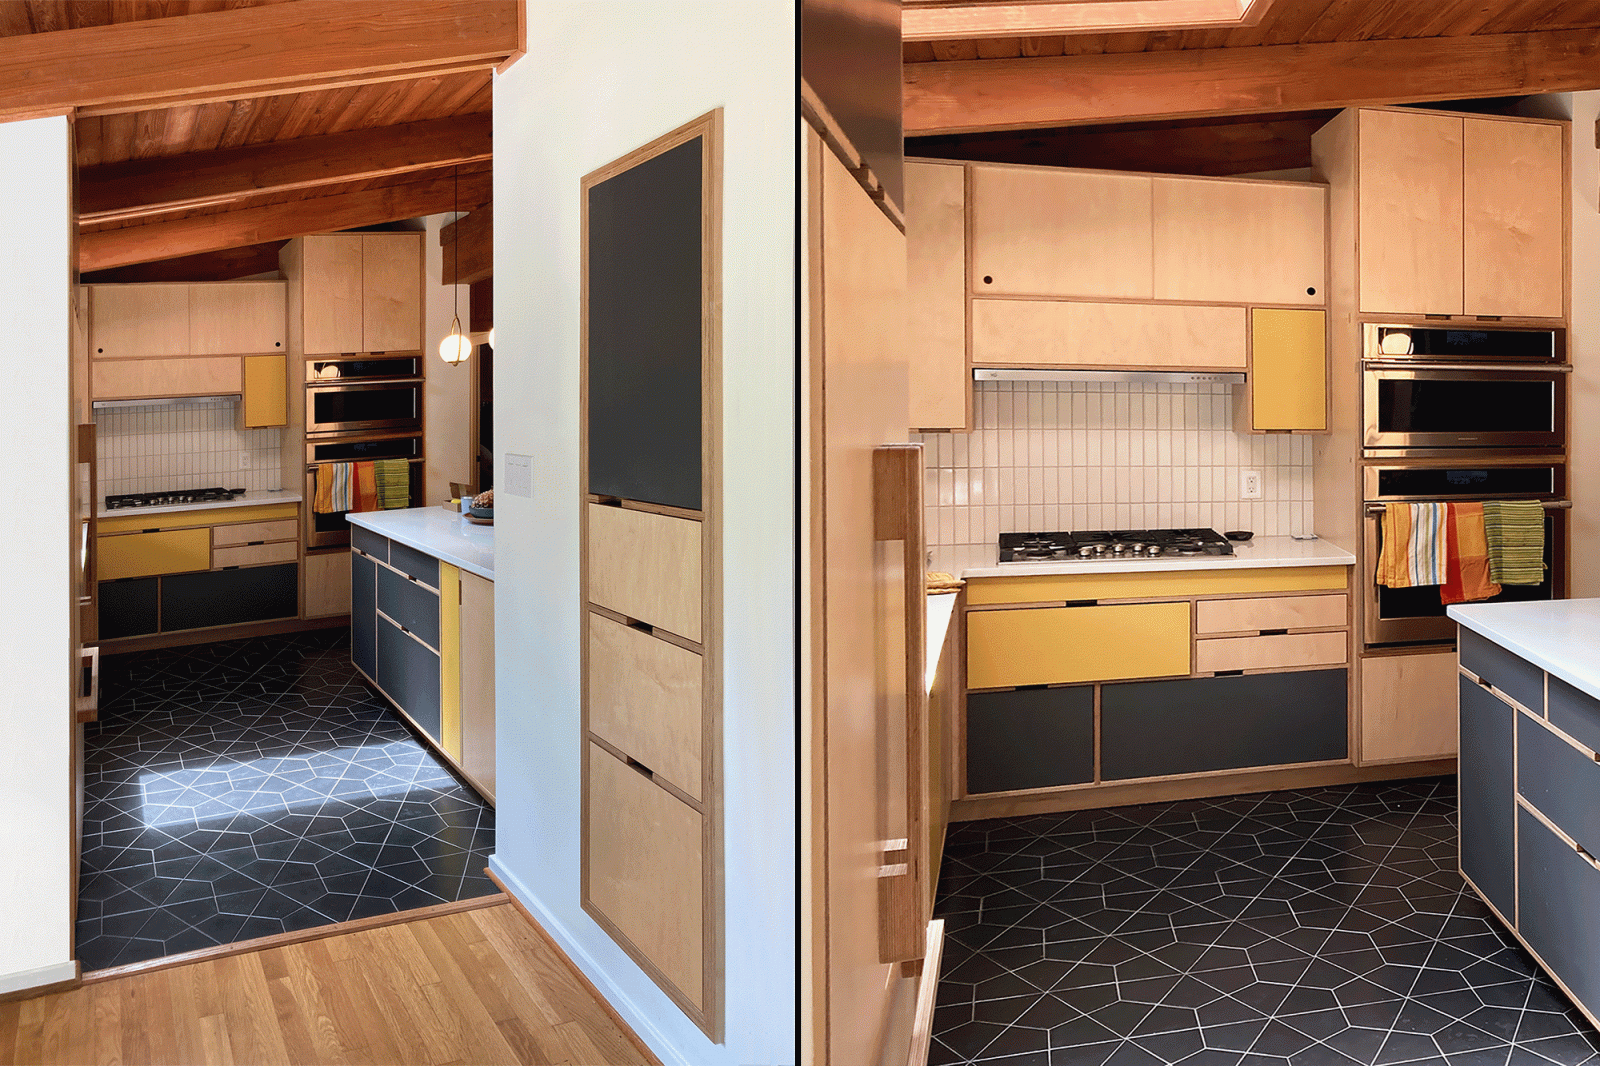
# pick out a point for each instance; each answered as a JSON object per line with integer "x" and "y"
{"x": 1287, "y": 386}
{"x": 1513, "y": 221}
{"x": 362, "y": 292}
{"x": 1127, "y": 336}
{"x": 138, "y": 321}
{"x": 936, "y": 295}
{"x": 1410, "y": 212}
{"x": 1238, "y": 241}
{"x": 1408, "y": 707}
{"x": 138, "y": 379}
{"x": 331, "y": 282}
{"x": 234, "y": 317}
{"x": 265, "y": 391}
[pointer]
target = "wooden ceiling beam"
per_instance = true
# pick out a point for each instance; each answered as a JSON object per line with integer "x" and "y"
{"x": 1005, "y": 94}
{"x": 146, "y": 187}
{"x": 233, "y": 54}
{"x": 468, "y": 248}
{"x": 108, "y": 248}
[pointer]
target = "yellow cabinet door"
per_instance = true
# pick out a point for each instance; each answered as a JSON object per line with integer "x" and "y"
{"x": 1514, "y": 220}
{"x": 169, "y": 551}
{"x": 1064, "y": 645}
{"x": 391, "y": 292}
{"x": 1288, "y": 369}
{"x": 266, "y": 391}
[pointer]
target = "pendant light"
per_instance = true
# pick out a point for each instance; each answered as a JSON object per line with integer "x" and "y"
{"x": 456, "y": 347}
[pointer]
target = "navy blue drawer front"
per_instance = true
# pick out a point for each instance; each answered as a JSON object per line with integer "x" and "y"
{"x": 364, "y": 614}
{"x": 1488, "y": 800}
{"x": 1575, "y": 713}
{"x": 1030, "y": 738}
{"x": 1511, "y": 674}
{"x": 1195, "y": 725}
{"x": 409, "y": 604}
{"x": 1561, "y": 781}
{"x": 369, "y": 542}
{"x": 409, "y": 673}
{"x": 1560, "y": 899}
{"x": 409, "y": 561}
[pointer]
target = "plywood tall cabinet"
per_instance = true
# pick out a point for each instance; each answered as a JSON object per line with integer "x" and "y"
{"x": 651, "y": 562}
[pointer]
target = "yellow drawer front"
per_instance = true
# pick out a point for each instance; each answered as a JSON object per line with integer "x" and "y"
{"x": 172, "y": 551}
{"x": 1047, "y": 588}
{"x": 266, "y": 390}
{"x": 209, "y": 516}
{"x": 1288, "y": 369}
{"x": 1060, "y": 645}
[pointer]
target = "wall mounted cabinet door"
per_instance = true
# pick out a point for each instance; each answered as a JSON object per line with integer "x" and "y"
{"x": 333, "y": 292}
{"x": 265, "y": 385}
{"x": 391, "y": 292}
{"x": 135, "y": 379}
{"x": 1125, "y": 336}
{"x": 1238, "y": 241}
{"x": 936, "y": 294}
{"x": 1050, "y": 232}
{"x": 235, "y": 317}
{"x": 1513, "y": 218}
{"x": 1410, "y": 213}
{"x": 134, "y": 321}
{"x": 1288, "y": 381}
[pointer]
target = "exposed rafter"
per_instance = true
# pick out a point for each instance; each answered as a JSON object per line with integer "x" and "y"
{"x": 1000, "y": 94}
{"x": 468, "y": 245}
{"x": 947, "y": 20}
{"x": 149, "y": 187}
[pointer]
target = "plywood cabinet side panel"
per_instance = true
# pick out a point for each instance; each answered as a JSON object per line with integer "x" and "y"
{"x": 330, "y": 278}
{"x": 477, "y": 681}
{"x": 646, "y": 566}
{"x": 1239, "y": 241}
{"x": 391, "y": 292}
{"x": 135, "y": 321}
{"x": 936, "y": 296}
{"x": 1408, "y": 707}
{"x": 327, "y": 584}
{"x": 139, "y": 379}
{"x": 1514, "y": 195}
{"x": 1053, "y": 232}
{"x": 1121, "y": 335}
{"x": 645, "y": 700}
{"x": 1410, "y": 212}
{"x": 238, "y": 317}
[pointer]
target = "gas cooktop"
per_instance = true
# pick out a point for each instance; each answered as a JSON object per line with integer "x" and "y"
{"x": 1099, "y": 544}
{"x": 163, "y": 499}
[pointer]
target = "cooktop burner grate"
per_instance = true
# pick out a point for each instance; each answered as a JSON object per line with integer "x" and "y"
{"x": 165, "y": 499}
{"x": 1098, "y": 544}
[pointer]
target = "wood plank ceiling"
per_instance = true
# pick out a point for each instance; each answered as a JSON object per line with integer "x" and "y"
{"x": 211, "y": 189}
{"x": 1235, "y": 100}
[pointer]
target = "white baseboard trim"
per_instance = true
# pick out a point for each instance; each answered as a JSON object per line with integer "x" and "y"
{"x": 38, "y": 977}
{"x": 637, "y": 1020}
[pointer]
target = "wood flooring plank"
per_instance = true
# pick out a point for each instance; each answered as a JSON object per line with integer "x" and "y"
{"x": 392, "y": 978}
{"x": 325, "y": 1010}
{"x": 150, "y": 998}
{"x": 580, "y": 1047}
{"x": 105, "y": 1028}
{"x": 482, "y": 1037}
{"x": 215, "y": 1046}
{"x": 10, "y": 1011}
{"x": 356, "y": 1009}
{"x": 187, "y": 1012}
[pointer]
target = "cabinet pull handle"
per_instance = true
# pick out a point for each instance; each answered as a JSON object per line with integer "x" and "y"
{"x": 1081, "y": 603}
{"x": 643, "y": 627}
{"x": 1227, "y": 673}
{"x": 1274, "y": 632}
{"x": 635, "y": 764}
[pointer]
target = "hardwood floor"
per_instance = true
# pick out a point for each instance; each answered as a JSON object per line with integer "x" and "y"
{"x": 480, "y": 986}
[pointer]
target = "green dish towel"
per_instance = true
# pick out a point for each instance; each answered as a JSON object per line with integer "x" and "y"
{"x": 1515, "y": 532}
{"x": 394, "y": 482}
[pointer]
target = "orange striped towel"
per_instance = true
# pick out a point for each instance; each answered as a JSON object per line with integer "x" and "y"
{"x": 323, "y": 502}
{"x": 1415, "y": 542}
{"x": 1467, "y": 557}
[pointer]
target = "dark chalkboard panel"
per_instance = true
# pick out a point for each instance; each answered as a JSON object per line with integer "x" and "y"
{"x": 1030, "y": 738}
{"x": 1488, "y": 798}
{"x": 228, "y": 597}
{"x": 644, "y": 260}
{"x": 128, "y": 607}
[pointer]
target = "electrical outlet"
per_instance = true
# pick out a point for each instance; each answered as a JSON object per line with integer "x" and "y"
{"x": 244, "y": 460}
{"x": 1250, "y": 484}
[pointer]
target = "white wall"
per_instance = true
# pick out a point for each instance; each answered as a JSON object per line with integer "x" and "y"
{"x": 626, "y": 72}
{"x": 447, "y": 393}
{"x": 36, "y": 624}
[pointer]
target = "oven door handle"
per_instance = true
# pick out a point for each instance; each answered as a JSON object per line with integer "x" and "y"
{"x": 1548, "y": 505}
{"x": 1424, "y": 364}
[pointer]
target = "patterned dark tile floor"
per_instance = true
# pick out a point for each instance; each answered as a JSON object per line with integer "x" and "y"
{"x": 252, "y": 787}
{"x": 1312, "y": 928}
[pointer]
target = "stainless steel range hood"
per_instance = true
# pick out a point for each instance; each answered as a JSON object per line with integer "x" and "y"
{"x": 1136, "y": 377}
{"x": 172, "y": 401}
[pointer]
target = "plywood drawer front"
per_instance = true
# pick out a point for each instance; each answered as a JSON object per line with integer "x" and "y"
{"x": 1279, "y": 652}
{"x": 1561, "y": 780}
{"x": 170, "y": 551}
{"x": 1063, "y": 645}
{"x": 646, "y": 566}
{"x": 1059, "y": 333}
{"x": 1510, "y": 674}
{"x": 644, "y": 864}
{"x": 254, "y": 533}
{"x": 1151, "y": 584}
{"x": 254, "y": 554}
{"x": 645, "y": 700}
{"x": 1277, "y": 612}
{"x": 412, "y": 606}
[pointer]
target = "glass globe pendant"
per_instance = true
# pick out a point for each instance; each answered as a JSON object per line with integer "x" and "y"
{"x": 456, "y": 347}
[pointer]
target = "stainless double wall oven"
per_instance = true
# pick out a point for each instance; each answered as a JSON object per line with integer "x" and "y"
{"x": 1464, "y": 413}
{"x": 360, "y": 407}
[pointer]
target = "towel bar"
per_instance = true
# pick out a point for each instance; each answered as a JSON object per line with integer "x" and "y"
{"x": 1548, "y": 505}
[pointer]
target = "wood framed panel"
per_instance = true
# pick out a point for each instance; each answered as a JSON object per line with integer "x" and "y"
{"x": 237, "y": 317}
{"x": 651, "y": 554}
{"x": 1126, "y": 336}
{"x": 254, "y": 532}
{"x": 645, "y": 698}
{"x": 327, "y": 584}
{"x": 1284, "y": 651}
{"x": 477, "y": 682}
{"x": 254, "y": 554}
{"x": 1273, "y": 612}
{"x": 391, "y": 292}
{"x": 138, "y": 321}
{"x": 329, "y": 266}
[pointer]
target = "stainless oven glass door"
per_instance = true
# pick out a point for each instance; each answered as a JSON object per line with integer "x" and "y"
{"x": 1415, "y": 406}
{"x": 1383, "y": 342}
{"x": 394, "y": 406}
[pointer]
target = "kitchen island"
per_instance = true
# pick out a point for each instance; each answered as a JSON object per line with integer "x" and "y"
{"x": 1529, "y": 774}
{"x": 422, "y": 627}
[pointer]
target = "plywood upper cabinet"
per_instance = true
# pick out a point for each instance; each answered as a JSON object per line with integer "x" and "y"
{"x": 1061, "y": 333}
{"x": 131, "y": 321}
{"x": 391, "y": 292}
{"x": 234, "y": 317}
{"x": 936, "y": 295}
{"x": 331, "y": 277}
{"x": 1513, "y": 218}
{"x": 1043, "y": 231}
{"x": 1238, "y": 241}
{"x": 1410, "y": 212}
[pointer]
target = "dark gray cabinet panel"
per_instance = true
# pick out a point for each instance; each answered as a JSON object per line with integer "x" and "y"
{"x": 1488, "y": 802}
{"x": 369, "y": 542}
{"x": 1194, "y": 725}
{"x": 645, "y": 312}
{"x": 1511, "y": 674}
{"x": 364, "y": 614}
{"x": 1030, "y": 738}
{"x": 1561, "y": 781}
{"x": 129, "y": 608}
{"x": 423, "y": 567}
{"x": 229, "y": 597}
{"x": 1574, "y": 713}
{"x": 409, "y": 673}
{"x": 409, "y": 604}
{"x": 1559, "y": 903}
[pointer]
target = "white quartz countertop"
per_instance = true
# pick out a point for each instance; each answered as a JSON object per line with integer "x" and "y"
{"x": 1561, "y": 636}
{"x": 981, "y": 560}
{"x": 252, "y": 498}
{"x": 445, "y": 535}
{"x": 941, "y": 607}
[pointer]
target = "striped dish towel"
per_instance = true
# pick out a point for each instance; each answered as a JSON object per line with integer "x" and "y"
{"x": 1415, "y": 538}
{"x": 394, "y": 483}
{"x": 333, "y": 488}
{"x": 1515, "y": 532}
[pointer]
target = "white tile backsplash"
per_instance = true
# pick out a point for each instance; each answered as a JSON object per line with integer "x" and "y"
{"x": 1047, "y": 456}
{"x": 168, "y": 447}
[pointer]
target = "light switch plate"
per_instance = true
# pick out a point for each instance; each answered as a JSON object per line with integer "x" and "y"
{"x": 519, "y": 474}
